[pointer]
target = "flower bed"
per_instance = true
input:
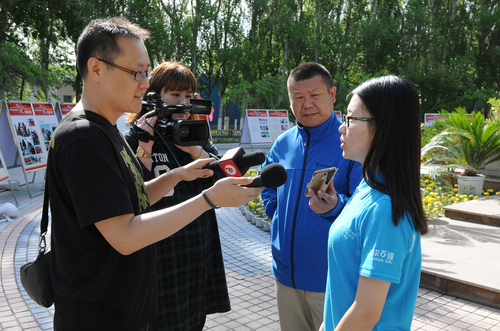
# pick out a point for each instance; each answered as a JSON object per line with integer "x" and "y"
{"x": 439, "y": 193}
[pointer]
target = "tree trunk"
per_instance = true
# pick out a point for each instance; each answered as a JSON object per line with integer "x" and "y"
{"x": 244, "y": 112}
{"x": 196, "y": 25}
{"x": 450, "y": 32}
{"x": 226, "y": 116}
{"x": 431, "y": 33}
{"x": 22, "y": 90}
{"x": 285, "y": 57}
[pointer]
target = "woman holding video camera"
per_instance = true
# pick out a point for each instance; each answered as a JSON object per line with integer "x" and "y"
{"x": 191, "y": 277}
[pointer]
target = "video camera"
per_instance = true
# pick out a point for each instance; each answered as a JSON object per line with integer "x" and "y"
{"x": 180, "y": 132}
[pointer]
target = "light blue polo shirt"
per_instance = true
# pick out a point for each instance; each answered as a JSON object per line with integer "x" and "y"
{"x": 364, "y": 241}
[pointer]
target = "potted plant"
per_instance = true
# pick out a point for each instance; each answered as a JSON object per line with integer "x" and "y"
{"x": 267, "y": 224}
{"x": 248, "y": 210}
{"x": 469, "y": 143}
{"x": 259, "y": 219}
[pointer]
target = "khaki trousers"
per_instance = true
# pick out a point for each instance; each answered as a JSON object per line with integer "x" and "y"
{"x": 299, "y": 310}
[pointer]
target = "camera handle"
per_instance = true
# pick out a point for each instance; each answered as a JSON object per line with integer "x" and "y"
{"x": 158, "y": 135}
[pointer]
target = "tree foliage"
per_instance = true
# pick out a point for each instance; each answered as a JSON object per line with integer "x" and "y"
{"x": 449, "y": 49}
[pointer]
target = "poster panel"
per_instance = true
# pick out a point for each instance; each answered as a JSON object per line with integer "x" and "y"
{"x": 338, "y": 115}
{"x": 65, "y": 108}
{"x": 258, "y": 125}
{"x": 4, "y": 173}
{"x": 278, "y": 122}
{"x": 47, "y": 121}
{"x": 26, "y": 135}
{"x": 429, "y": 118}
{"x": 7, "y": 143}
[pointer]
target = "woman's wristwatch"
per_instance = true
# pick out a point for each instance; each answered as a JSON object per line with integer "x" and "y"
{"x": 142, "y": 153}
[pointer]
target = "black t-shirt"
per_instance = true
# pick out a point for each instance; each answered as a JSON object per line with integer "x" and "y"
{"x": 92, "y": 176}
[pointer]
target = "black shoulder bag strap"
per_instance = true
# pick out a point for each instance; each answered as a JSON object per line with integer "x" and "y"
{"x": 42, "y": 245}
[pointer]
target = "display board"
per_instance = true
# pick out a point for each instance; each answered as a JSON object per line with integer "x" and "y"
{"x": 47, "y": 120}
{"x": 429, "y": 118}
{"x": 4, "y": 173}
{"x": 263, "y": 126}
{"x": 4, "y": 176}
{"x": 27, "y": 135}
{"x": 63, "y": 108}
{"x": 278, "y": 122}
{"x": 256, "y": 128}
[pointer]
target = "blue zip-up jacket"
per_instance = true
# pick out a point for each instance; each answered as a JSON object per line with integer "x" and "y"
{"x": 299, "y": 236}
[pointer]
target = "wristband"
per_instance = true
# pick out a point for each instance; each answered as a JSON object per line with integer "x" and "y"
{"x": 196, "y": 158}
{"x": 208, "y": 200}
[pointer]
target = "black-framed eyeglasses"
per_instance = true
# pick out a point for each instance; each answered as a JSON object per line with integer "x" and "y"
{"x": 346, "y": 119}
{"x": 138, "y": 75}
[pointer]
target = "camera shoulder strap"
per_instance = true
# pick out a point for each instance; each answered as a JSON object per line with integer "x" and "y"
{"x": 143, "y": 135}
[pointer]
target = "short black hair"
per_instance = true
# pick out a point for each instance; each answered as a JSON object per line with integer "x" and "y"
{"x": 99, "y": 38}
{"x": 308, "y": 70}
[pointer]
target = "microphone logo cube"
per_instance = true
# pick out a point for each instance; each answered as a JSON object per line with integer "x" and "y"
{"x": 230, "y": 170}
{"x": 227, "y": 162}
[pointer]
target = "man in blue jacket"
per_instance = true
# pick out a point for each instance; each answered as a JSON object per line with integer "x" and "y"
{"x": 299, "y": 232}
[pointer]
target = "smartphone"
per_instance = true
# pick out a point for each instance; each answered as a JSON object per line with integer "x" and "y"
{"x": 320, "y": 180}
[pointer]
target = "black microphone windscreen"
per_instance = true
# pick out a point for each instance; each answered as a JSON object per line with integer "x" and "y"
{"x": 271, "y": 176}
{"x": 251, "y": 159}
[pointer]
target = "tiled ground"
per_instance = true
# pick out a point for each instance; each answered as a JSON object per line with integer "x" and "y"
{"x": 251, "y": 286}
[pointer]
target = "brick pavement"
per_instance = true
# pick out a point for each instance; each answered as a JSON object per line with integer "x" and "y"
{"x": 247, "y": 258}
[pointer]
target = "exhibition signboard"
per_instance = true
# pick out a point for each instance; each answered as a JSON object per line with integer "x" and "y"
{"x": 27, "y": 135}
{"x": 47, "y": 121}
{"x": 264, "y": 126}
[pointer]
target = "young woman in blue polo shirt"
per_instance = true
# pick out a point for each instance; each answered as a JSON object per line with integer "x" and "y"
{"x": 374, "y": 253}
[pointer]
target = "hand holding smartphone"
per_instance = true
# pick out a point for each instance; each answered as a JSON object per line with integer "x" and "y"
{"x": 320, "y": 180}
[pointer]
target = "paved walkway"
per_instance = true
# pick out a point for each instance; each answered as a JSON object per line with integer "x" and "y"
{"x": 251, "y": 286}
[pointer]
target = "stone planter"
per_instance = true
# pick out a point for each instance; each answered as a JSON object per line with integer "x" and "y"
{"x": 266, "y": 225}
{"x": 252, "y": 218}
{"x": 259, "y": 221}
{"x": 248, "y": 214}
{"x": 471, "y": 184}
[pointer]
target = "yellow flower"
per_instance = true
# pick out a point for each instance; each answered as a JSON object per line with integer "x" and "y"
{"x": 465, "y": 200}
{"x": 426, "y": 181}
{"x": 486, "y": 194}
{"x": 490, "y": 190}
{"x": 471, "y": 196}
{"x": 251, "y": 204}
{"x": 455, "y": 190}
{"x": 456, "y": 185}
{"x": 476, "y": 197}
{"x": 438, "y": 197}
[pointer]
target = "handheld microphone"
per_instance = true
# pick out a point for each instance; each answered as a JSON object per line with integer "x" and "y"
{"x": 271, "y": 176}
{"x": 235, "y": 163}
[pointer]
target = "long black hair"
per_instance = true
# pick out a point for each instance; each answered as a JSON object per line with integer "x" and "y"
{"x": 395, "y": 149}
